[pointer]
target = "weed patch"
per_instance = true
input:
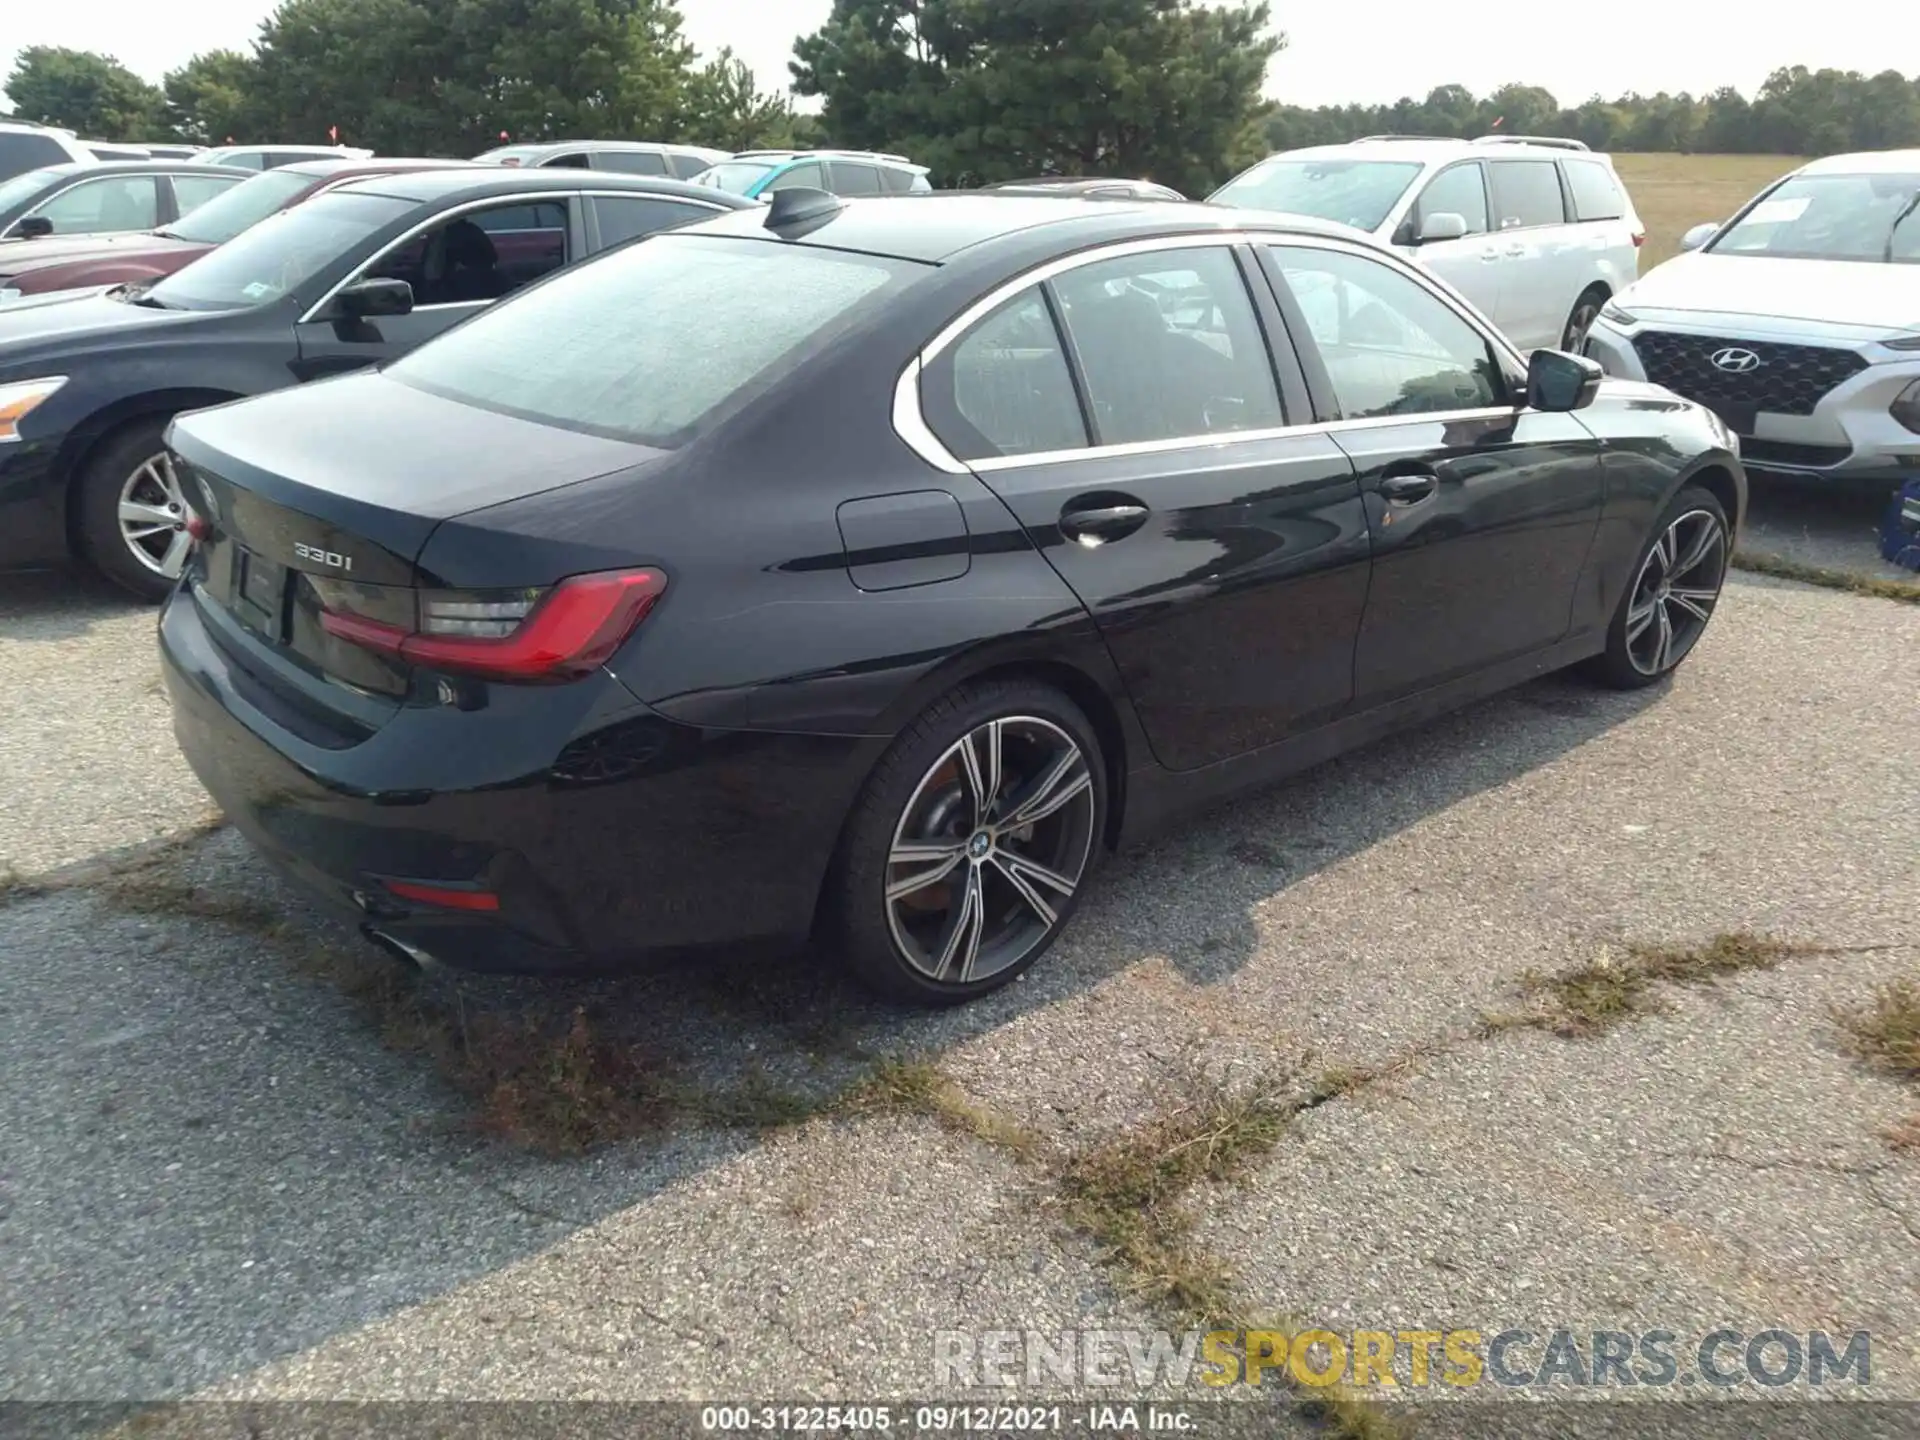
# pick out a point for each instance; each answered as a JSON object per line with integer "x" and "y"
{"x": 1905, "y": 591}
{"x": 1886, "y": 1032}
{"x": 1593, "y": 998}
{"x": 919, "y": 1087}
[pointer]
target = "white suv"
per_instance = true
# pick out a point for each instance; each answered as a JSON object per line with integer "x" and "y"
{"x": 1536, "y": 233}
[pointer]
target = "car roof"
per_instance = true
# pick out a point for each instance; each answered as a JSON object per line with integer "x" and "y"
{"x": 935, "y": 227}
{"x": 482, "y": 181}
{"x": 645, "y": 145}
{"x": 1424, "y": 150}
{"x": 133, "y": 167}
{"x": 372, "y": 165}
{"x": 1865, "y": 162}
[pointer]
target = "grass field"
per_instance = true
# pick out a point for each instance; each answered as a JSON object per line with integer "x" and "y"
{"x": 1673, "y": 193}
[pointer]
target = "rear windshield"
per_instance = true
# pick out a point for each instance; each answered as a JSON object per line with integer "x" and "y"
{"x": 647, "y": 342}
{"x": 1360, "y": 193}
{"x": 1832, "y": 217}
{"x": 279, "y": 254}
{"x": 736, "y": 177}
{"x": 509, "y": 155}
{"x": 240, "y": 208}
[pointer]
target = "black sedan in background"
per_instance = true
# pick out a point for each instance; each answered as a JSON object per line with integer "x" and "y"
{"x": 353, "y": 277}
{"x": 868, "y": 567}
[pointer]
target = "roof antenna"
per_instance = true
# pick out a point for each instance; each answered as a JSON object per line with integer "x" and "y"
{"x": 799, "y": 204}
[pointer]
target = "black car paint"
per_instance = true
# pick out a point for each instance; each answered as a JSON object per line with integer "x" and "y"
{"x": 125, "y": 361}
{"x": 692, "y": 792}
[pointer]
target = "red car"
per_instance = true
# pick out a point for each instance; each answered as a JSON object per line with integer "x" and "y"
{"x": 86, "y": 262}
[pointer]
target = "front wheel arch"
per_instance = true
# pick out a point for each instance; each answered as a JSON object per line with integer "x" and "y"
{"x": 105, "y": 425}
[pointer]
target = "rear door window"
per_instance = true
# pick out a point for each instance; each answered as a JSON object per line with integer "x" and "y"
{"x": 807, "y": 175}
{"x": 631, "y": 162}
{"x": 190, "y": 192}
{"x": 649, "y": 342}
{"x": 686, "y": 165}
{"x": 853, "y": 178}
{"x": 1170, "y": 346}
{"x": 1595, "y": 195}
{"x": 622, "y": 217}
{"x": 1526, "y": 193}
{"x": 1004, "y": 388}
{"x": 571, "y": 160}
{"x": 897, "y": 181}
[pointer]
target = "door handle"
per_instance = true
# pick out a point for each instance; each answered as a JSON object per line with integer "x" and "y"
{"x": 1409, "y": 487}
{"x": 1097, "y": 524}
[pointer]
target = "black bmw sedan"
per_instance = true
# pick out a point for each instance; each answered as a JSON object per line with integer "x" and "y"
{"x": 358, "y": 275}
{"x": 868, "y": 568}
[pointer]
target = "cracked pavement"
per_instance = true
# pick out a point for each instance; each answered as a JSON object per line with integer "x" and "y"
{"x": 214, "y": 1180}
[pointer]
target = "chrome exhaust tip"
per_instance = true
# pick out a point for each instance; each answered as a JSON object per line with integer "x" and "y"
{"x": 401, "y": 950}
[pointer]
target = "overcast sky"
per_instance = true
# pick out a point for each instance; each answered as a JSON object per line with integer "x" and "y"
{"x": 1364, "y": 50}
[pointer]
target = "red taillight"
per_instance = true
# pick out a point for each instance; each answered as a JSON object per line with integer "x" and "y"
{"x": 1639, "y": 238}
{"x": 570, "y": 631}
{"x": 444, "y": 896}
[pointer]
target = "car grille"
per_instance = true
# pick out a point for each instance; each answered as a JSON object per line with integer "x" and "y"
{"x": 1789, "y": 380}
{"x": 1781, "y": 453}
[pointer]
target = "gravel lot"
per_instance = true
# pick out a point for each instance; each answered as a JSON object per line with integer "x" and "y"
{"x": 216, "y": 1179}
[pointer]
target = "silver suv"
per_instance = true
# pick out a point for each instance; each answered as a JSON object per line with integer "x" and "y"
{"x": 1798, "y": 320}
{"x": 1536, "y": 232}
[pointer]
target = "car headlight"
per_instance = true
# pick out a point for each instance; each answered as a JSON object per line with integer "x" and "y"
{"x": 1611, "y": 311}
{"x": 1896, "y": 342}
{"x": 20, "y": 399}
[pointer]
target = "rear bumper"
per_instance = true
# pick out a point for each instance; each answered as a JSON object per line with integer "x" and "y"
{"x": 636, "y": 836}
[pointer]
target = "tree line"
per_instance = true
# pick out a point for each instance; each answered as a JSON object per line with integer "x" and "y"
{"x": 979, "y": 90}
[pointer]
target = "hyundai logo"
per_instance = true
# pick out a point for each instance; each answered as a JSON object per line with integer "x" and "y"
{"x": 1734, "y": 360}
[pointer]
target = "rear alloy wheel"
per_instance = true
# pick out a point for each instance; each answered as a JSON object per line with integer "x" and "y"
{"x": 971, "y": 845}
{"x": 134, "y": 512}
{"x": 1585, "y": 311}
{"x": 1666, "y": 609}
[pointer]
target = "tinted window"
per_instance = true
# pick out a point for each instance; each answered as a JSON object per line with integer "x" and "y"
{"x": 481, "y": 255}
{"x": 26, "y": 152}
{"x": 854, "y": 179}
{"x": 572, "y": 160}
{"x": 1390, "y": 345}
{"x": 244, "y": 159}
{"x": 625, "y": 216}
{"x": 119, "y": 202}
{"x": 685, "y": 165}
{"x": 1361, "y": 193}
{"x": 1004, "y": 388}
{"x": 281, "y": 253}
{"x": 1832, "y": 217}
{"x": 897, "y": 181}
{"x": 1169, "y": 346}
{"x": 631, "y": 162}
{"x": 1595, "y": 196}
{"x": 245, "y": 204}
{"x": 1526, "y": 192}
{"x": 803, "y": 176}
{"x": 649, "y": 341}
{"x": 1458, "y": 191}
{"x": 190, "y": 192}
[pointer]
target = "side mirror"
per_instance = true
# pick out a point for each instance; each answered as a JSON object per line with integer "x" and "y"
{"x": 1699, "y": 235}
{"x": 1559, "y": 381}
{"x": 33, "y": 227}
{"x": 371, "y": 299}
{"x": 1443, "y": 225}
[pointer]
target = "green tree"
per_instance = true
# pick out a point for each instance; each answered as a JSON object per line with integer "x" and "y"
{"x": 731, "y": 111}
{"x": 93, "y": 94}
{"x": 213, "y": 97}
{"x": 993, "y": 89}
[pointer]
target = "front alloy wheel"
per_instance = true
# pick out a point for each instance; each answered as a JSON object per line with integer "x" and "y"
{"x": 1675, "y": 592}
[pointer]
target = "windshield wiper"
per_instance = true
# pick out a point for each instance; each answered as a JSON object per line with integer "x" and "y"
{"x": 1893, "y": 230}
{"x": 137, "y": 295}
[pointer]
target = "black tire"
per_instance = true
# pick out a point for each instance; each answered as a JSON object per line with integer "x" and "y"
{"x": 1573, "y": 335}
{"x": 1630, "y": 660}
{"x": 101, "y": 480}
{"x": 891, "y": 944}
